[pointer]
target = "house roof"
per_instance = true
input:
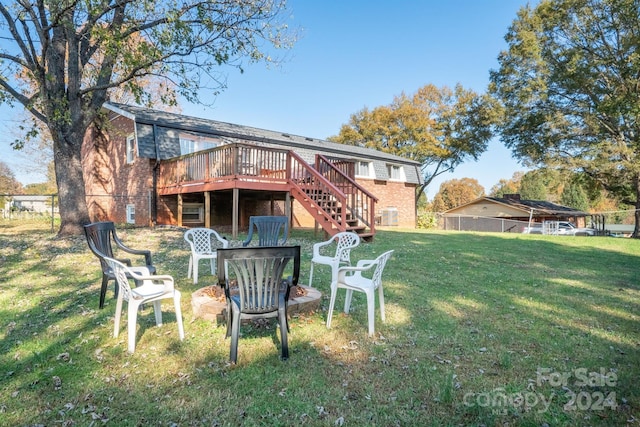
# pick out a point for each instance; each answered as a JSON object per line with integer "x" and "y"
{"x": 539, "y": 207}
{"x": 163, "y": 141}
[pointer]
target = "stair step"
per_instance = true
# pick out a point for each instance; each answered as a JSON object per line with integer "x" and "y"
{"x": 327, "y": 211}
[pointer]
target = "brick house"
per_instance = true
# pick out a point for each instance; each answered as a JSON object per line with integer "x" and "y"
{"x": 149, "y": 167}
{"x": 32, "y": 203}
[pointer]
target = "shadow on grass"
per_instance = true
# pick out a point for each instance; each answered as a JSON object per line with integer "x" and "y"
{"x": 468, "y": 315}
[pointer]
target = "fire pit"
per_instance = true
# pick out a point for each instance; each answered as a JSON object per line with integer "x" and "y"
{"x": 209, "y": 302}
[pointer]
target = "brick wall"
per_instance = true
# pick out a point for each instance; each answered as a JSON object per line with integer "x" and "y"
{"x": 389, "y": 194}
{"x": 110, "y": 182}
{"x": 392, "y": 194}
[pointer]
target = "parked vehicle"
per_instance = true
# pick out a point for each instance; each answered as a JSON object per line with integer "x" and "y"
{"x": 535, "y": 228}
{"x": 569, "y": 229}
{"x": 560, "y": 228}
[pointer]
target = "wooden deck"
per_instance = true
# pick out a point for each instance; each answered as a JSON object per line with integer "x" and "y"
{"x": 325, "y": 189}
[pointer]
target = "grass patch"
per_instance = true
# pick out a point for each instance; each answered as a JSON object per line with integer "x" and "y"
{"x": 482, "y": 329}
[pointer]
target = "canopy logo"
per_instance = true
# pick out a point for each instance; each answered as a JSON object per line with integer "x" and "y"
{"x": 580, "y": 388}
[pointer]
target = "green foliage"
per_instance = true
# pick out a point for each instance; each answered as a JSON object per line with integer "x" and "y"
{"x": 63, "y": 60}
{"x": 438, "y": 127}
{"x": 533, "y": 187}
{"x": 568, "y": 84}
{"x": 575, "y": 197}
{"x": 426, "y": 219}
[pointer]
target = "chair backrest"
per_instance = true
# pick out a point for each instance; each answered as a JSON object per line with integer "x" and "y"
{"x": 202, "y": 240}
{"x": 272, "y": 230}
{"x": 120, "y": 273}
{"x": 259, "y": 274}
{"x": 346, "y": 241}
{"x": 382, "y": 261}
{"x": 99, "y": 236}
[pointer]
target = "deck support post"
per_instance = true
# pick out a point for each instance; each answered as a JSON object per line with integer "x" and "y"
{"x": 207, "y": 209}
{"x": 234, "y": 219}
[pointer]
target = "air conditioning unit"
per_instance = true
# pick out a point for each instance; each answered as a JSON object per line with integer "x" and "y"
{"x": 389, "y": 216}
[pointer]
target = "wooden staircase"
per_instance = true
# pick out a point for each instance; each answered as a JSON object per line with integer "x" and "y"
{"x": 335, "y": 201}
{"x": 326, "y": 189}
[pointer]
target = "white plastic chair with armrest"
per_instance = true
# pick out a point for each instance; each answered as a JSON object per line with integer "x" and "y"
{"x": 344, "y": 241}
{"x": 204, "y": 243}
{"x": 153, "y": 289}
{"x": 352, "y": 279}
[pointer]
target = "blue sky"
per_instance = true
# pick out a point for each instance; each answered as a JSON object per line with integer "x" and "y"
{"x": 354, "y": 54}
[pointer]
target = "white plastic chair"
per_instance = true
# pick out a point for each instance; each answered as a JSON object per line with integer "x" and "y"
{"x": 345, "y": 241}
{"x": 352, "y": 279}
{"x": 153, "y": 288}
{"x": 204, "y": 243}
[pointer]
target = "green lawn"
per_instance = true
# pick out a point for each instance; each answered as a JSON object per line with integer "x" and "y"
{"x": 482, "y": 329}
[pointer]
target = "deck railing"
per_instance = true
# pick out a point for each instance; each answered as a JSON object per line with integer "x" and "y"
{"x": 361, "y": 203}
{"x": 329, "y": 202}
{"x": 329, "y": 194}
{"x": 225, "y": 163}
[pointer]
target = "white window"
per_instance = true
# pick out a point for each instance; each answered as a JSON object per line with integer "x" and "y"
{"x": 131, "y": 214}
{"x": 395, "y": 172}
{"x": 131, "y": 148}
{"x": 192, "y": 143}
{"x": 364, "y": 169}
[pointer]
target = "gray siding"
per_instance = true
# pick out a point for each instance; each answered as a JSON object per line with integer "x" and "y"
{"x": 169, "y": 126}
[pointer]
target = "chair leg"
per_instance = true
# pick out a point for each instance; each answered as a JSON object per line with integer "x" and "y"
{"x": 332, "y": 303}
{"x": 196, "y": 261}
{"x": 212, "y": 261}
{"x": 284, "y": 342}
{"x": 132, "y": 319}
{"x": 235, "y": 333}
{"x": 190, "y": 267}
{"x": 103, "y": 289}
{"x": 381, "y": 298}
{"x": 229, "y": 320}
{"x": 311, "y": 275}
{"x": 118, "y": 315}
{"x": 371, "y": 310}
{"x": 347, "y": 300}
{"x": 157, "y": 311}
{"x": 176, "y": 304}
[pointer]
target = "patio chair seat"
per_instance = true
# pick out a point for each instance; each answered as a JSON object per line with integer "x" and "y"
{"x": 344, "y": 241}
{"x": 271, "y": 230}
{"x": 152, "y": 289}
{"x": 100, "y": 237}
{"x": 262, "y": 292}
{"x": 352, "y": 279}
{"x": 204, "y": 243}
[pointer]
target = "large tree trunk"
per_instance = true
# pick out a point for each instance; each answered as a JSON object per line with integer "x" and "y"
{"x": 70, "y": 180}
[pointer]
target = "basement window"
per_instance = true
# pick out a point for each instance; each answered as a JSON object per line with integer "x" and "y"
{"x": 131, "y": 214}
{"x": 192, "y": 213}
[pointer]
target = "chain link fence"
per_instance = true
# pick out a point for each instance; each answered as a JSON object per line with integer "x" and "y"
{"x": 479, "y": 223}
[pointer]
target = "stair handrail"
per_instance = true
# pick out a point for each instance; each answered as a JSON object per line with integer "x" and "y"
{"x": 321, "y": 161}
{"x": 300, "y": 173}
